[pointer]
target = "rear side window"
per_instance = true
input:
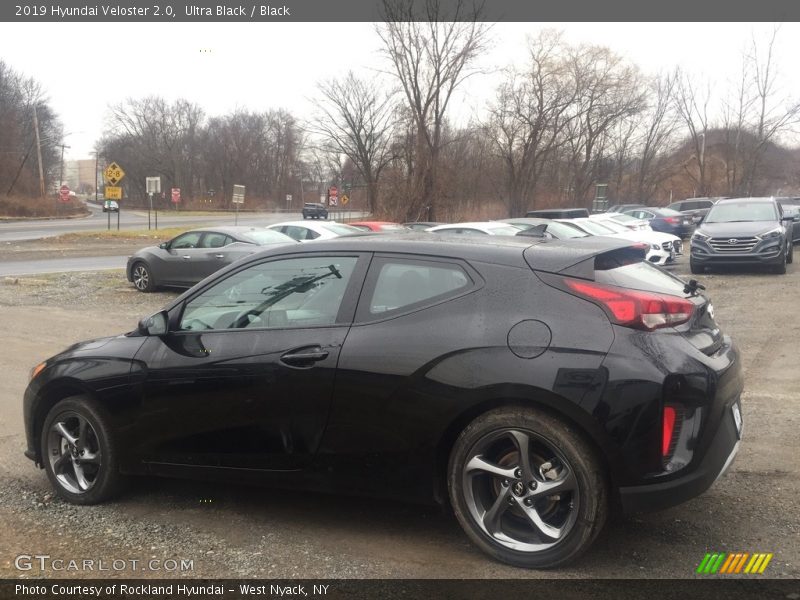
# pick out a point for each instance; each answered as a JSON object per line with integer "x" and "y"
{"x": 396, "y": 285}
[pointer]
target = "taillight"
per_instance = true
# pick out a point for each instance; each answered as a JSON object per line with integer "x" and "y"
{"x": 667, "y": 430}
{"x": 633, "y": 308}
{"x": 672, "y": 220}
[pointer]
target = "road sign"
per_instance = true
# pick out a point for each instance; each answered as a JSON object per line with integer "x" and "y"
{"x": 63, "y": 193}
{"x": 176, "y": 195}
{"x": 113, "y": 173}
{"x": 288, "y": 197}
{"x": 112, "y": 193}
{"x": 345, "y": 199}
{"x": 238, "y": 194}
{"x": 333, "y": 191}
{"x": 153, "y": 185}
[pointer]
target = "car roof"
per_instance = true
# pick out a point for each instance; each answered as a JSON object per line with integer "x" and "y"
{"x": 473, "y": 225}
{"x": 739, "y": 200}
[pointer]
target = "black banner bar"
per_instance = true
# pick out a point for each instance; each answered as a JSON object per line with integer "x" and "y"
{"x": 614, "y": 589}
{"x": 165, "y": 11}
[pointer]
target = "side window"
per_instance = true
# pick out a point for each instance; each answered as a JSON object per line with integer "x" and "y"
{"x": 187, "y": 240}
{"x": 300, "y": 233}
{"x": 403, "y": 284}
{"x": 292, "y": 292}
{"x": 215, "y": 240}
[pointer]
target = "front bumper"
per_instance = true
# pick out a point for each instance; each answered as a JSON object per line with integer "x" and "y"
{"x": 769, "y": 255}
{"x": 718, "y": 457}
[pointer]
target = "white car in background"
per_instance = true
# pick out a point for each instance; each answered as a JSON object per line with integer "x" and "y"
{"x": 628, "y": 221}
{"x": 305, "y": 231}
{"x": 476, "y": 228}
{"x": 663, "y": 247}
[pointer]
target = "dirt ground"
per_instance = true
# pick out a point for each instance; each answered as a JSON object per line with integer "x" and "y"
{"x": 246, "y": 532}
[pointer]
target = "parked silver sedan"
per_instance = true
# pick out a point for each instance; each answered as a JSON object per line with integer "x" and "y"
{"x": 194, "y": 255}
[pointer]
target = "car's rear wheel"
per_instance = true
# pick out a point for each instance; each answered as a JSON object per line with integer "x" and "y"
{"x": 143, "y": 278}
{"x": 527, "y": 488}
{"x": 79, "y": 451}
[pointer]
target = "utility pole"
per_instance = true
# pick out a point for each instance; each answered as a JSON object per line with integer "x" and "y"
{"x": 39, "y": 153}
{"x": 61, "y": 172}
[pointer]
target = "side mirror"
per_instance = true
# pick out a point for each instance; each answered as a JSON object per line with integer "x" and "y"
{"x": 787, "y": 218}
{"x": 164, "y": 245}
{"x": 155, "y": 324}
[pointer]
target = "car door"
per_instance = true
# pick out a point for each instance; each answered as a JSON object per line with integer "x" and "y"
{"x": 378, "y": 408}
{"x": 180, "y": 263}
{"x": 216, "y": 253}
{"x": 244, "y": 377}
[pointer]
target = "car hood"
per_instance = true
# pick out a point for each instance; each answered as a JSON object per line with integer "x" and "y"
{"x": 117, "y": 346}
{"x": 740, "y": 229}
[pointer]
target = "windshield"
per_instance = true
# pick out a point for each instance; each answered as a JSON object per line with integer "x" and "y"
{"x": 594, "y": 228}
{"x": 616, "y": 227}
{"x": 341, "y": 229}
{"x": 264, "y": 237}
{"x": 742, "y": 211}
{"x": 668, "y": 212}
{"x": 623, "y": 218}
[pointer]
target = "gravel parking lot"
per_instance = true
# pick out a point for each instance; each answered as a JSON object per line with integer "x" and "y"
{"x": 247, "y": 532}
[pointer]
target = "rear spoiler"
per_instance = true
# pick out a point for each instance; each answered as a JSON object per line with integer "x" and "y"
{"x": 576, "y": 257}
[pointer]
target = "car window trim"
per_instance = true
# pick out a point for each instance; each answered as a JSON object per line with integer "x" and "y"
{"x": 344, "y": 317}
{"x": 363, "y": 316}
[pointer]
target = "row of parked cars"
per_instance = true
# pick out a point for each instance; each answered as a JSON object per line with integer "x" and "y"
{"x": 531, "y": 385}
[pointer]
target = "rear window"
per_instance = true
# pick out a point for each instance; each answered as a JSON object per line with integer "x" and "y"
{"x": 340, "y": 229}
{"x": 265, "y": 237}
{"x": 636, "y": 274}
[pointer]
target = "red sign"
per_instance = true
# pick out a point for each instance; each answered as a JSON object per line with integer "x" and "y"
{"x": 333, "y": 191}
{"x": 63, "y": 193}
{"x": 176, "y": 195}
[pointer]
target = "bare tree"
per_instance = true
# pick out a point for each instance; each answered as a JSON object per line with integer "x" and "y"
{"x": 608, "y": 90}
{"x": 774, "y": 113}
{"x": 527, "y": 119}
{"x": 431, "y": 54}
{"x": 357, "y": 120}
{"x": 692, "y": 103}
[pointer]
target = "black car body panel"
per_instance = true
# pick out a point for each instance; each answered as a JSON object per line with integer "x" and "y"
{"x": 665, "y": 220}
{"x": 558, "y": 213}
{"x": 379, "y": 414}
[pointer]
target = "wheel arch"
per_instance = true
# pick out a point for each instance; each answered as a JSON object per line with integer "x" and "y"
{"x": 547, "y": 403}
{"x": 51, "y": 396}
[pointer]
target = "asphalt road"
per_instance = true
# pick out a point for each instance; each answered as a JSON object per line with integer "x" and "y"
{"x": 11, "y": 231}
{"x": 237, "y": 531}
{"x": 61, "y": 265}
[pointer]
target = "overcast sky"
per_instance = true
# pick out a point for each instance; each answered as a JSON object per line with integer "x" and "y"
{"x": 86, "y": 67}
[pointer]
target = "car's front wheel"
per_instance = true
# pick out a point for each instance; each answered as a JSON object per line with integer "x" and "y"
{"x": 527, "y": 488}
{"x": 790, "y": 256}
{"x": 79, "y": 451}
{"x": 142, "y": 278}
{"x": 694, "y": 267}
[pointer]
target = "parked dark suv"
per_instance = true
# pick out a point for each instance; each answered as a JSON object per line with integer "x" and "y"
{"x": 530, "y": 385}
{"x": 314, "y": 210}
{"x": 743, "y": 231}
{"x": 558, "y": 213}
{"x": 696, "y": 208}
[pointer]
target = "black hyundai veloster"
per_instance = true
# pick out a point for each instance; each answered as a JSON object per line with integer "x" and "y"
{"x": 531, "y": 385}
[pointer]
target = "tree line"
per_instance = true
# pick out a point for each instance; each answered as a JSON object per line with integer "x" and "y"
{"x": 565, "y": 119}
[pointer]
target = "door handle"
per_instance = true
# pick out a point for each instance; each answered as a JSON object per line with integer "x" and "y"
{"x": 186, "y": 257}
{"x": 304, "y": 357}
{"x": 219, "y": 255}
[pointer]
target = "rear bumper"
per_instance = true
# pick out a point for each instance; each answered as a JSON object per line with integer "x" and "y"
{"x": 718, "y": 457}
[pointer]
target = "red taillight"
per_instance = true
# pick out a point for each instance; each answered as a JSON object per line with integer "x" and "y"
{"x": 672, "y": 220}
{"x": 668, "y": 428}
{"x": 633, "y": 308}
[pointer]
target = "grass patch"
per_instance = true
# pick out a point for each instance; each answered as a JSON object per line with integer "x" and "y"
{"x": 134, "y": 235}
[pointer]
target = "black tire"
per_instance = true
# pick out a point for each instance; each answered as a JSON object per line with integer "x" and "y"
{"x": 694, "y": 268}
{"x": 305, "y": 217}
{"x": 101, "y": 472}
{"x": 575, "y": 514}
{"x": 142, "y": 276}
{"x": 790, "y": 257}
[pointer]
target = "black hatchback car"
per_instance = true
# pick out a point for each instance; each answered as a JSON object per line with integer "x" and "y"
{"x": 531, "y": 385}
{"x": 743, "y": 231}
{"x": 665, "y": 220}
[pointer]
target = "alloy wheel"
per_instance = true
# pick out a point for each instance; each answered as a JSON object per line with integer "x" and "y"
{"x": 520, "y": 490}
{"x": 73, "y": 450}
{"x": 141, "y": 277}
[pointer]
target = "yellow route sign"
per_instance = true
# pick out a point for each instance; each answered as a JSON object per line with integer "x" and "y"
{"x": 345, "y": 200}
{"x": 112, "y": 193}
{"x": 113, "y": 173}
